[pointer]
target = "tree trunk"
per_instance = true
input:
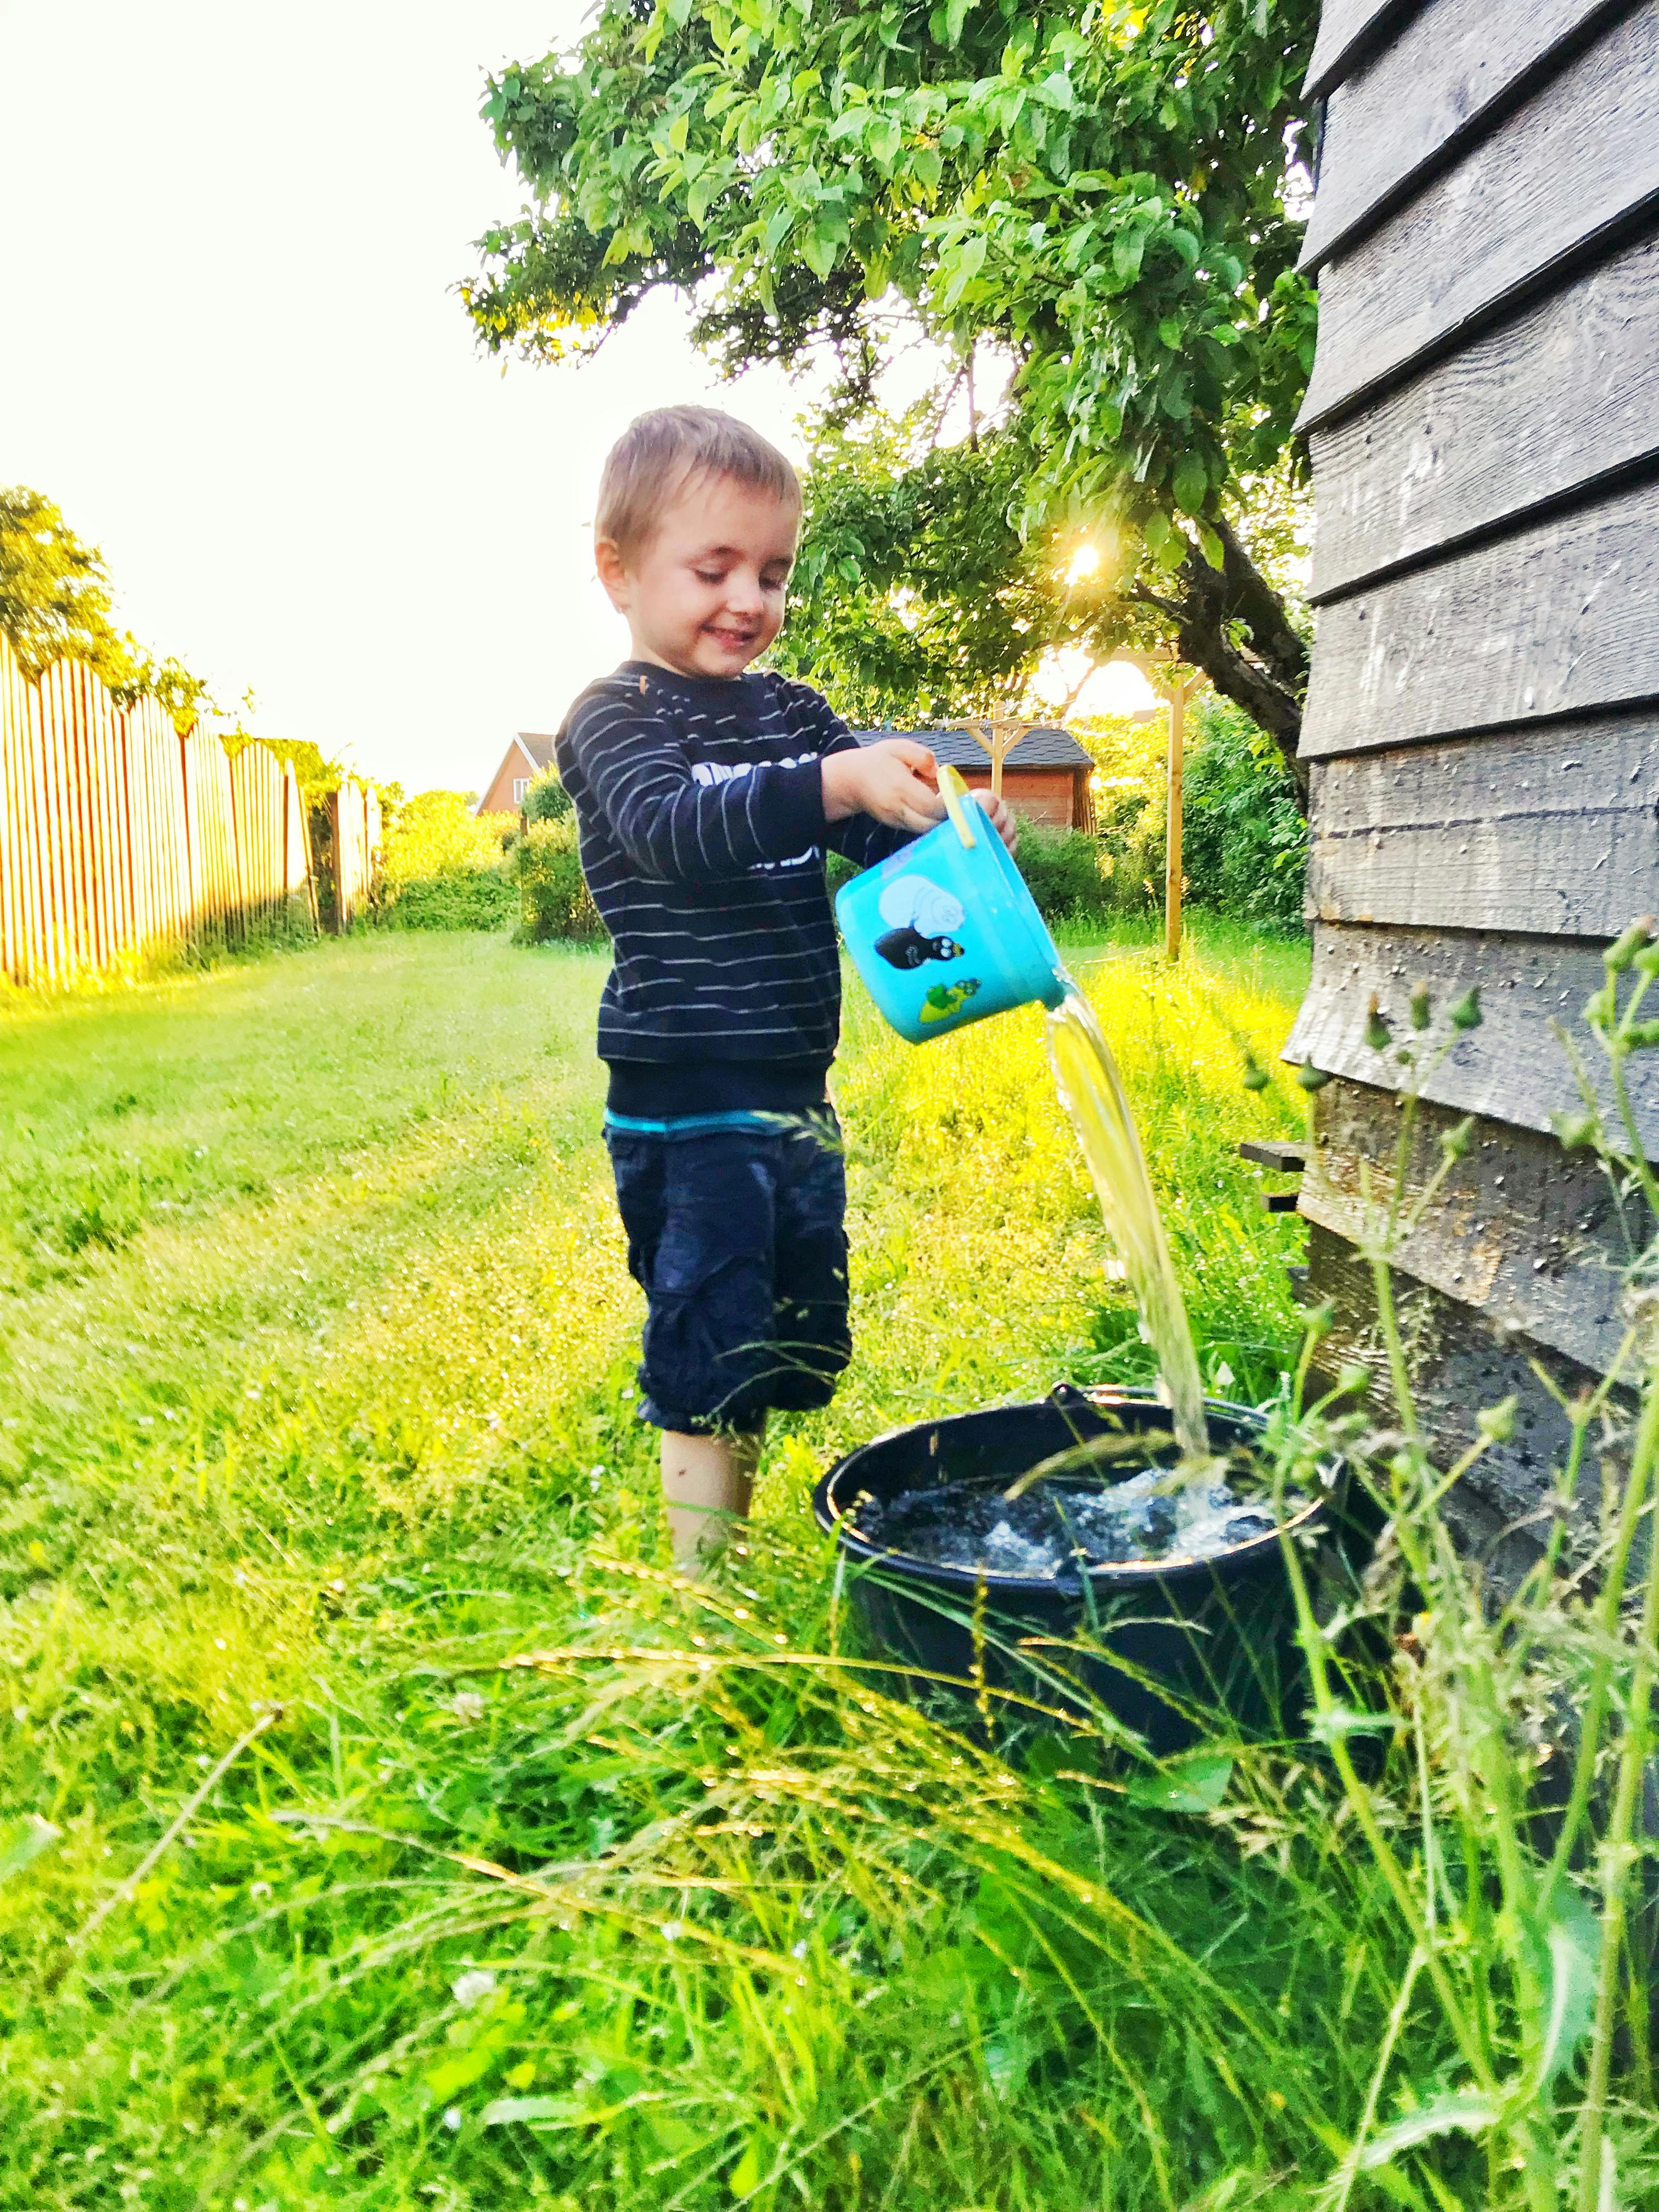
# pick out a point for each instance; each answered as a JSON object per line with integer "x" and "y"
{"x": 1231, "y": 623}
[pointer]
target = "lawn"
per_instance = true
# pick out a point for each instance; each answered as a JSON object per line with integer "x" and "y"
{"x": 318, "y": 1341}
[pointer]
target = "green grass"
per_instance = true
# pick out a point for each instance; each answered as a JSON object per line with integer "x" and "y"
{"x": 318, "y": 1344}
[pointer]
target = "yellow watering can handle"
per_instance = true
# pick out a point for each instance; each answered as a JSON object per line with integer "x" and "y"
{"x": 952, "y": 790}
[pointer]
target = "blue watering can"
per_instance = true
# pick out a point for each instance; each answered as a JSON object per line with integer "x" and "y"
{"x": 946, "y": 932}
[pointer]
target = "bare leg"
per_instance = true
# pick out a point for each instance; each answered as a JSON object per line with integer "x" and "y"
{"x": 706, "y": 1484}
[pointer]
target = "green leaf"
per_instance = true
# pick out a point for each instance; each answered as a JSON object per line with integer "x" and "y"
{"x": 1195, "y": 1784}
{"x": 746, "y": 2175}
{"x": 821, "y": 245}
{"x": 22, "y": 1841}
{"x": 956, "y": 15}
{"x": 1191, "y": 484}
{"x": 1466, "y": 2111}
{"x": 883, "y": 140}
{"x": 1344, "y": 1721}
{"x": 1572, "y": 1942}
{"x": 1128, "y": 251}
{"x": 505, "y": 2110}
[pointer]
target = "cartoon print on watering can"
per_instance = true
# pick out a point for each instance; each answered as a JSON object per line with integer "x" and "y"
{"x": 947, "y": 999}
{"x": 919, "y": 915}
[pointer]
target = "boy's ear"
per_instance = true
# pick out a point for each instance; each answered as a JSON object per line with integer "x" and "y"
{"x": 613, "y": 572}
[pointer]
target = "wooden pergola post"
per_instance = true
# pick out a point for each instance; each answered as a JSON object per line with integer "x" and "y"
{"x": 1176, "y": 684}
{"x": 1175, "y": 691}
{"x": 998, "y": 739}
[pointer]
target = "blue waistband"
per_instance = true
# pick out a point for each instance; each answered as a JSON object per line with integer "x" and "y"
{"x": 764, "y": 1123}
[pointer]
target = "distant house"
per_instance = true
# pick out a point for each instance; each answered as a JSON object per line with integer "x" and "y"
{"x": 1045, "y": 776}
{"x": 529, "y": 755}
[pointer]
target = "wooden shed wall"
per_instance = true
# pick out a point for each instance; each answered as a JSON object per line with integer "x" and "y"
{"x": 1056, "y": 796}
{"x": 1483, "y": 718}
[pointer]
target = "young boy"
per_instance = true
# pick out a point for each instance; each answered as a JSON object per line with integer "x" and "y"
{"x": 705, "y": 798}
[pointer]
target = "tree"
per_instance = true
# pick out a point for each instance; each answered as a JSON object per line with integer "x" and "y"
{"x": 1096, "y": 198}
{"x": 55, "y": 606}
{"x": 917, "y": 598}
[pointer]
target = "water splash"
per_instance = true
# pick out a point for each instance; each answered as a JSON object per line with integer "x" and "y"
{"x": 1092, "y": 1091}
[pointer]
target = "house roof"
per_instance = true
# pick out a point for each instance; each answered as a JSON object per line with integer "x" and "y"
{"x": 1050, "y": 748}
{"x": 538, "y": 743}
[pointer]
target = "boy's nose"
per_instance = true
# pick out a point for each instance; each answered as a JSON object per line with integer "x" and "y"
{"x": 743, "y": 593}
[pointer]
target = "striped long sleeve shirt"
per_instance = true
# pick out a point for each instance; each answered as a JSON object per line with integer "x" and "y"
{"x": 699, "y": 810}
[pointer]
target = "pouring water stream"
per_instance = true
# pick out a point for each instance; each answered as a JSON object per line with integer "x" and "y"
{"x": 1092, "y": 1091}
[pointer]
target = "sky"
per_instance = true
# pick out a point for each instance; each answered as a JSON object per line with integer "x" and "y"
{"x": 231, "y": 352}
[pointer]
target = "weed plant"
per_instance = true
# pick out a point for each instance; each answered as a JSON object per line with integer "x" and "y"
{"x": 390, "y": 1828}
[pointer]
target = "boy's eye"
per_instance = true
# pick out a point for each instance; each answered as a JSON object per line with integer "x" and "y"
{"x": 711, "y": 575}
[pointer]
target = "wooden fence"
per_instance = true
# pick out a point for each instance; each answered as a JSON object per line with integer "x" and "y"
{"x": 119, "y": 838}
{"x": 354, "y": 818}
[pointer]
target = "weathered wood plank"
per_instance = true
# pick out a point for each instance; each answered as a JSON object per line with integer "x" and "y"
{"x": 1444, "y": 77}
{"x": 1348, "y": 31}
{"x": 1575, "y": 162}
{"x": 1540, "y": 407}
{"x": 1555, "y": 621}
{"x": 1548, "y": 831}
{"x": 1515, "y": 1199}
{"x": 1513, "y": 1067}
{"x": 1460, "y": 1364}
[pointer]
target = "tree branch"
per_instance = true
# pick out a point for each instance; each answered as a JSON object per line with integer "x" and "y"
{"x": 1268, "y": 680}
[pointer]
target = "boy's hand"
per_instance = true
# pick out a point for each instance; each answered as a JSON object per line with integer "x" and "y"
{"x": 893, "y": 780}
{"x": 994, "y": 805}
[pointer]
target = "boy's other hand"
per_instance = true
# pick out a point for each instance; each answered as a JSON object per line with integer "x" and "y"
{"x": 994, "y": 805}
{"x": 892, "y": 779}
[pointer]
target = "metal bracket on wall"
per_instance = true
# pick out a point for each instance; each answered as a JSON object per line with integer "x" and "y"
{"x": 1283, "y": 1158}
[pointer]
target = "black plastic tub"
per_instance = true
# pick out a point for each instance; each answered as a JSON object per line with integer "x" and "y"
{"x": 1163, "y": 1641}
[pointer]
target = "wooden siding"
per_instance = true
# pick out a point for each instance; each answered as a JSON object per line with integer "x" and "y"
{"x": 1572, "y": 167}
{"x": 1514, "y": 1067}
{"x": 1532, "y": 1240}
{"x": 1452, "y": 67}
{"x": 1483, "y": 716}
{"x": 1554, "y": 621}
{"x": 1431, "y": 466}
{"x": 1541, "y": 830}
{"x": 1348, "y": 29}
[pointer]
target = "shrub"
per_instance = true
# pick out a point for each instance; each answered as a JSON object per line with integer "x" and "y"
{"x": 1244, "y": 843}
{"x": 455, "y": 898}
{"x": 547, "y": 799}
{"x": 1064, "y": 870}
{"x": 553, "y": 897}
{"x": 1129, "y": 830}
{"x": 444, "y": 867}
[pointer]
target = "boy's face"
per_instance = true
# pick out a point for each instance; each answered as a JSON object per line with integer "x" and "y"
{"x": 705, "y": 597}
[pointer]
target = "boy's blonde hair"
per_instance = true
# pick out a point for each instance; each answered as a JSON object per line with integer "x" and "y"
{"x": 659, "y": 454}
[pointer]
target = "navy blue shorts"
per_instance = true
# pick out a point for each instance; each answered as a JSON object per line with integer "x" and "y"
{"x": 737, "y": 1237}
